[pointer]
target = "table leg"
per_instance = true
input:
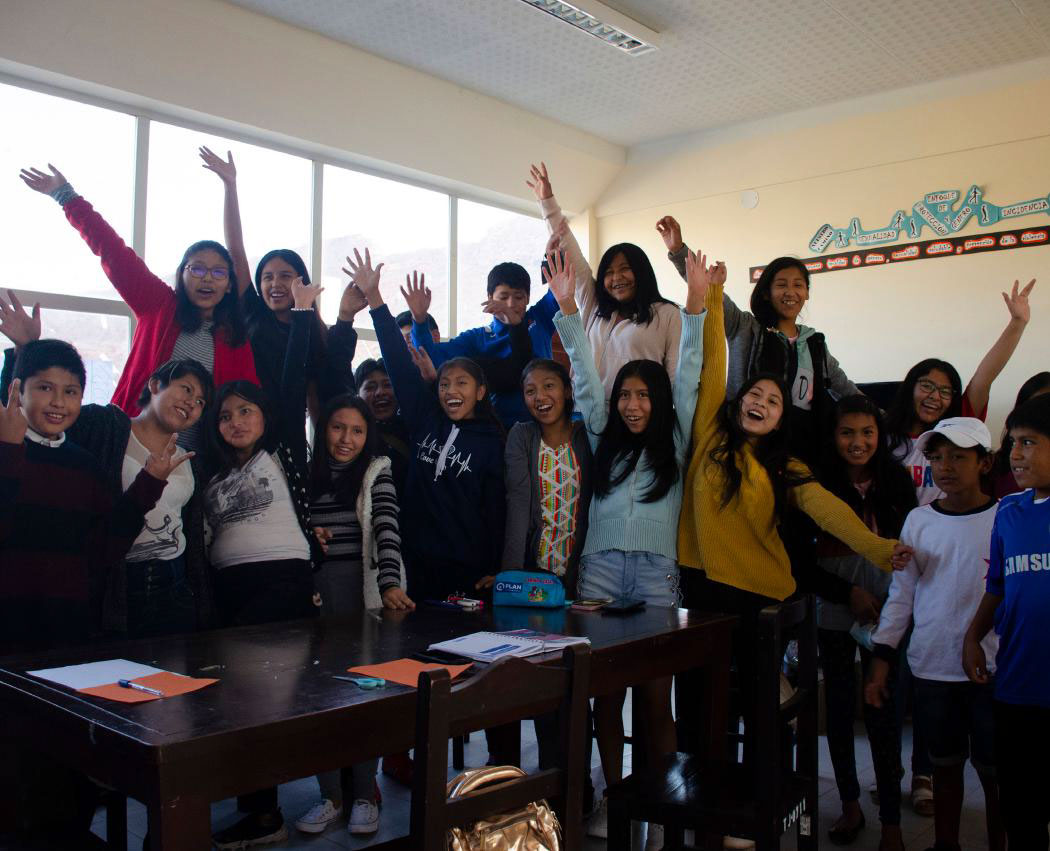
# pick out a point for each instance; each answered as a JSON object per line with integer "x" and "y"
{"x": 180, "y": 824}
{"x": 717, "y": 708}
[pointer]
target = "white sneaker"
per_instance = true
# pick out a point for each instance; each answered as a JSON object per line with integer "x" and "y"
{"x": 598, "y": 823}
{"x": 737, "y": 842}
{"x": 654, "y": 839}
{"x": 318, "y": 817}
{"x": 364, "y": 817}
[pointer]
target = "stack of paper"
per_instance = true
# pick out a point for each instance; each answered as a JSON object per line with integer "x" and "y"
{"x": 490, "y": 646}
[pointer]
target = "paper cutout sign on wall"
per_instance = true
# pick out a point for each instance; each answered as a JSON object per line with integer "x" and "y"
{"x": 952, "y": 246}
{"x": 937, "y": 211}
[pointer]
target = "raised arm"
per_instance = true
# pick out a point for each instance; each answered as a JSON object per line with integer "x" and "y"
{"x": 690, "y": 352}
{"x": 563, "y": 239}
{"x": 231, "y": 215}
{"x": 417, "y": 296}
{"x": 337, "y": 371}
{"x": 980, "y": 387}
{"x": 413, "y": 396}
{"x": 293, "y": 373}
{"x": 140, "y": 289}
{"x": 713, "y": 371}
{"x": 678, "y": 252}
{"x": 587, "y": 386}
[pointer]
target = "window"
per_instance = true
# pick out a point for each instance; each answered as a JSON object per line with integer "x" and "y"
{"x": 102, "y": 341}
{"x": 487, "y": 236}
{"x": 95, "y": 149}
{"x": 184, "y": 201}
{"x": 404, "y": 227}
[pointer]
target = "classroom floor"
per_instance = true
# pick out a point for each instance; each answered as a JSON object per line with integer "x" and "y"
{"x": 298, "y": 796}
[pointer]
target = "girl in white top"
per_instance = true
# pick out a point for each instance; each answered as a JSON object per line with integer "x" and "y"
{"x": 623, "y": 313}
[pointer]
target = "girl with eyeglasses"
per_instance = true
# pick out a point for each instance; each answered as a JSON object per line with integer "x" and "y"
{"x": 932, "y": 390}
{"x": 200, "y": 320}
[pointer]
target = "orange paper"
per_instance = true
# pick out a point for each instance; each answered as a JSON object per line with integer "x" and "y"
{"x": 405, "y": 671}
{"x": 170, "y": 684}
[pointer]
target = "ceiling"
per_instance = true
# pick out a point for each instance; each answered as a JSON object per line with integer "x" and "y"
{"x": 720, "y": 62}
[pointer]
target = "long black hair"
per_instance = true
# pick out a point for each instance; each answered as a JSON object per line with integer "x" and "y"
{"x": 483, "y": 409}
{"x": 900, "y": 416}
{"x": 548, "y": 365}
{"x": 1034, "y": 386}
{"x": 319, "y": 338}
{"x": 618, "y": 446}
{"x": 771, "y": 450}
{"x": 646, "y": 291}
{"x": 227, "y": 315}
{"x": 761, "y": 302}
{"x": 891, "y": 493}
{"x": 347, "y": 484}
{"x": 223, "y": 458}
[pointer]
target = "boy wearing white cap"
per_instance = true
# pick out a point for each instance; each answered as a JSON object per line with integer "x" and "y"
{"x": 940, "y": 591}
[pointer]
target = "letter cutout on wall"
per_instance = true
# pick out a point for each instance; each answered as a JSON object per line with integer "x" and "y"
{"x": 944, "y": 212}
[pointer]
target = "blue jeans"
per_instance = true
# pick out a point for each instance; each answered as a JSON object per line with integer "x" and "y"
{"x": 159, "y": 599}
{"x": 617, "y": 574}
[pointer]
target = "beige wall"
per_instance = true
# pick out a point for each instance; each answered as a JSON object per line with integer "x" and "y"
{"x": 878, "y": 321}
{"x": 213, "y": 60}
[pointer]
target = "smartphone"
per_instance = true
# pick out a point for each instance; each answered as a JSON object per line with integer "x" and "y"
{"x": 624, "y": 605}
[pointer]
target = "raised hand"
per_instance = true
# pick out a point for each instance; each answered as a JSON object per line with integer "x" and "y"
{"x": 719, "y": 274}
{"x": 561, "y": 278}
{"x": 540, "y": 183}
{"x": 698, "y": 278}
{"x": 225, "y": 168}
{"x": 504, "y": 312}
{"x": 421, "y": 358}
{"x": 364, "y": 277}
{"x": 554, "y": 244}
{"x": 161, "y": 466}
{"x": 395, "y": 598}
{"x": 671, "y": 232}
{"x": 417, "y": 296}
{"x": 17, "y": 325}
{"x": 13, "y": 424}
{"x": 1017, "y": 302}
{"x": 351, "y": 303}
{"x": 35, "y": 179}
{"x": 304, "y": 295}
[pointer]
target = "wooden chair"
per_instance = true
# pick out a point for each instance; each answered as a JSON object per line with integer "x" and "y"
{"x": 508, "y": 691}
{"x": 760, "y": 802}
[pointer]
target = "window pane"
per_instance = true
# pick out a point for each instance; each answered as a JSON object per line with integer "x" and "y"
{"x": 487, "y": 236}
{"x": 184, "y": 202}
{"x": 95, "y": 149}
{"x": 102, "y": 341}
{"x": 403, "y": 227}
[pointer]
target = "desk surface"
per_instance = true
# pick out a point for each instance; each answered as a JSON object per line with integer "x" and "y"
{"x": 283, "y": 671}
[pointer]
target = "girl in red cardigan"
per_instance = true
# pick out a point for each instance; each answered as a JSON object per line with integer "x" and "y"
{"x": 200, "y": 319}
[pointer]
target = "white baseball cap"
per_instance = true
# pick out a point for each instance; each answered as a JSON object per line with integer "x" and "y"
{"x": 962, "y": 431}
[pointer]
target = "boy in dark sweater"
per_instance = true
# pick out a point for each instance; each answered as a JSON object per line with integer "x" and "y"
{"x": 60, "y": 527}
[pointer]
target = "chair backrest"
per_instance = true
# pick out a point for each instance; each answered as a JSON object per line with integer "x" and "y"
{"x": 509, "y": 690}
{"x": 777, "y": 625}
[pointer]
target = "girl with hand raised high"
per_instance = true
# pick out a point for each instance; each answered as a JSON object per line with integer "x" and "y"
{"x": 199, "y": 320}
{"x": 639, "y": 440}
{"x": 453, "y": 502}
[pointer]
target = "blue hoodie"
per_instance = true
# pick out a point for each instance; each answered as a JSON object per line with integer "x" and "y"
{"x": 493, "y": 341}
{"x": 453, "y": 505}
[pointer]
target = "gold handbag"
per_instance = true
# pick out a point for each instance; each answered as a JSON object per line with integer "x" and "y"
{"x": 533, "y": 827}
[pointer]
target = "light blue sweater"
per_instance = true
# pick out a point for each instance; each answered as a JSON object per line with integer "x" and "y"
{"x": 620, "y": 520}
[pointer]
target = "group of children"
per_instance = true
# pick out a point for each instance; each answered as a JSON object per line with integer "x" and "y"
{"x": 704, "y": 455}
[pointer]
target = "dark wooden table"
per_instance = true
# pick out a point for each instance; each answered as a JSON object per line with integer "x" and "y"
{"x": 277, "y": 714}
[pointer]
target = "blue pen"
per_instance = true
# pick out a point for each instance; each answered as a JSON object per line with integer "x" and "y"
{"x": 136, "y": 687}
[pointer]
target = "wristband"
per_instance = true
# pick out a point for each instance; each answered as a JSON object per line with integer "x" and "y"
{"x": 64, "y": 194}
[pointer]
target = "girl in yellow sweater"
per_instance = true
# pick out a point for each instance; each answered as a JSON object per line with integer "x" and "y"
{"x": 740, "y": 479}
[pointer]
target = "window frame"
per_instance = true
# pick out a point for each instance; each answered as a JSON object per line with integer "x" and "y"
{"x": 319, "y": 156}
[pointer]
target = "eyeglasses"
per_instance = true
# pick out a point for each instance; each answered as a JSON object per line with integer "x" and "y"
{"x": 928, "y": 387}
{"x": 218, "y": 273}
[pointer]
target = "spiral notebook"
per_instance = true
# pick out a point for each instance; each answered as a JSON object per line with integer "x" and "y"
{"x": 490, "y": 646}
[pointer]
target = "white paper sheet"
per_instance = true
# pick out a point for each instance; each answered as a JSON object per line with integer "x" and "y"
{"x": 95, "y": 673}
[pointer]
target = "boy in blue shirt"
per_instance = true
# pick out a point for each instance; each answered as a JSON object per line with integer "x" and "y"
{"x": 1017, "y": 603}
{"x": 508, "y": 299}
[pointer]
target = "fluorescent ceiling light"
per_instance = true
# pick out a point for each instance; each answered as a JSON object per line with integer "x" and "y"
{"x": 603, "y": 23}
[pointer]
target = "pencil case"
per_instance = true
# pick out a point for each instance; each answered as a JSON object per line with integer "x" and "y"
{"x": 528, "y": 588}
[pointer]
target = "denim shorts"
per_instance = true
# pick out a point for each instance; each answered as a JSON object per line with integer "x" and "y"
{"x": 616, "y": 574}
{"x": 959, "y": 722}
